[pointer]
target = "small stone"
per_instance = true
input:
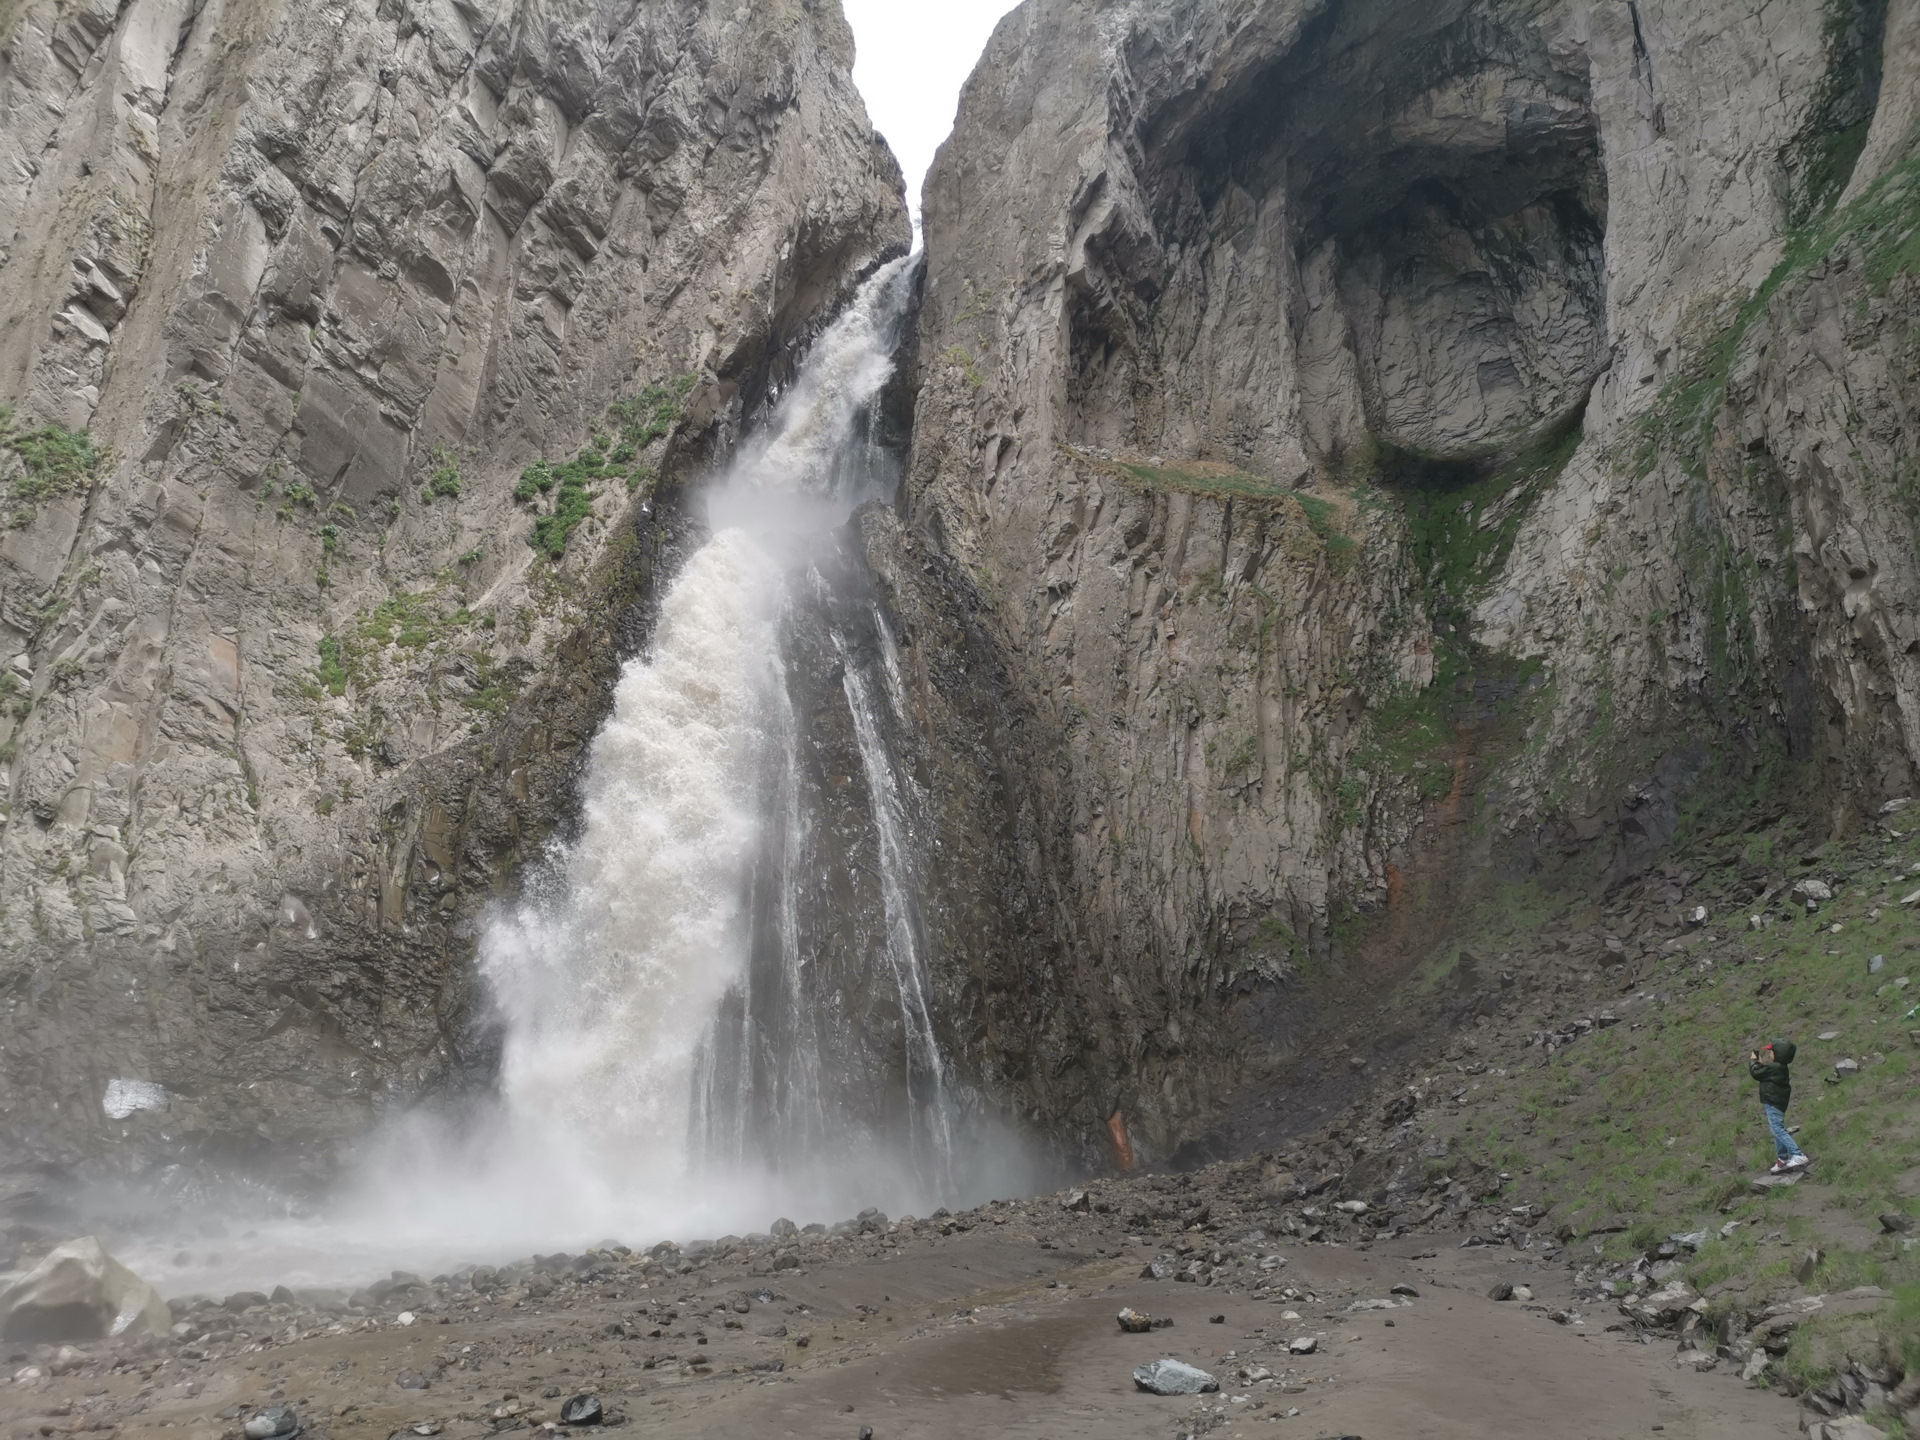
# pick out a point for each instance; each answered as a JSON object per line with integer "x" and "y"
{"x": 1848, "y": 1066}
{"x": 1697, "y": 916}
{"x": 1406, "y": 1290}
{"x": 1876, "y": 964}
{"x": 1804, "y": 1267}
{"x": 272, "y": 1424}
{"x": 1134, "y": 1322}
{"x": 1700, "y": 1360}
{"x": 1756, "y": 1366}
{"x": 1813, "y": 891}
{"x": 1216, "y": 1319}
{"x": 1896, "y": 1222}
{"x": 1174, "y": 1377}
{"x": 582, "y": 1410}
{"x": 1305, "y": 1345}
{"x": 1828, "y": 1035}
{"x": 1522, "y": 1292}
{"x": 1913, "y": 899}
{"x": 1501, "y": 1291}
{"x": 405, "y": 1317}
{"x": 1154, "y": 1270}
{"x": 412, "y": 1380}
{"x": 1076, "y": 1200}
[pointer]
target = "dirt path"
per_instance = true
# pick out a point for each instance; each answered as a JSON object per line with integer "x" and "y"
{"x": 982, "y": 1333}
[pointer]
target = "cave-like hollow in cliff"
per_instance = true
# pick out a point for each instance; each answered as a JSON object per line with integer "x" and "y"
{"x": 1413, "y": 206}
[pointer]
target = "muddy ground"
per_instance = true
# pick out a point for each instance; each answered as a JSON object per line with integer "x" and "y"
{"x": 1000, "y": 1321}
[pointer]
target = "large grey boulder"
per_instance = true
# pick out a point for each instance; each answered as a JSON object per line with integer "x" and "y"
{"x": 80, "y": 1292}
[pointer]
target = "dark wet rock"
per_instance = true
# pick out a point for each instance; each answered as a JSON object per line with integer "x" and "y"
{"x": 582, "y": 1410}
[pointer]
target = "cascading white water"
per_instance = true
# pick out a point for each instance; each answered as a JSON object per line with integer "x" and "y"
{"x": 607, "y": 996}
{"x": 650, "y": 1085}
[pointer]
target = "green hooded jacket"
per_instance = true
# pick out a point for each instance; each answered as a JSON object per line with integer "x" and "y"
{"x": 1776, "y": 1086}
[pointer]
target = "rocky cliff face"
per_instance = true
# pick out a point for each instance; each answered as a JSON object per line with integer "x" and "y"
{"x": 322, "y": 538}
{"x": 1340, "y": 418}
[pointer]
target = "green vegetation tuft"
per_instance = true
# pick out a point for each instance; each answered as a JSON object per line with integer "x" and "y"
{"x": 333, "y": 674}
{"x": 413, "y": 619}
{"x": 54, "y": 461}
{"x": 445, "y": 480}
{"x": 573, "y": 483}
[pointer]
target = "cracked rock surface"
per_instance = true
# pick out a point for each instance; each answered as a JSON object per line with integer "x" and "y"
{"x": 294, "y": 295}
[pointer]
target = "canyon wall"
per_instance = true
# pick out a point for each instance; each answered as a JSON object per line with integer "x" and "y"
{"x": 1366, "y": 443}
{"x": 322, "y": 543}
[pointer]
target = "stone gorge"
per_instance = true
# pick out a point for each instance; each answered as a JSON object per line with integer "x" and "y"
{"x": 1352, "y": 455}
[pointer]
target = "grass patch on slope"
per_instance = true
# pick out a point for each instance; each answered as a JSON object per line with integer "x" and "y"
{"x": 1654, "y": 1121}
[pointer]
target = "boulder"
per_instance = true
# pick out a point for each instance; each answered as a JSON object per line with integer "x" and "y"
{"x": 1134, "y": 1321}
{"x": 80, "y": 1292}
{"x": 1174, "y": 1377}
{"x": 582, "y": 1410}
{"x": 1666, "y": 1306}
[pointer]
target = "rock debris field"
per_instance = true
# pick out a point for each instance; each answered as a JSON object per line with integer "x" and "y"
{"x": 1017, "y": 1318}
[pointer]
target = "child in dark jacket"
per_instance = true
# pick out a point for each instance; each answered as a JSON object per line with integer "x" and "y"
{"x": 1769, "y": 1066}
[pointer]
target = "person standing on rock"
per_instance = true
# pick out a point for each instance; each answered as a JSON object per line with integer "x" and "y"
{"x": 1769, "y": 1066}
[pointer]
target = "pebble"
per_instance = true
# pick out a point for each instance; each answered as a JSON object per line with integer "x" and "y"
{"x": 1847, "y": 1067}
{"x": 1501, "y": 1291}
{"x": 1305, "y": 1345}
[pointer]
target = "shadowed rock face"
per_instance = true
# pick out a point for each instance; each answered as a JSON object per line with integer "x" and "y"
{"x": 1186, "y": 260}
{"x": 291, "y": 692}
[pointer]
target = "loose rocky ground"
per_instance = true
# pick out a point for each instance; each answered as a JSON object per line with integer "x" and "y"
{"x": 1557, "y": 1104}
{"x": 997, "y": 1321}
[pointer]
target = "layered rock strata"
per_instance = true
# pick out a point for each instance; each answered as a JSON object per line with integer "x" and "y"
{"x": 1280, "y": 361}
{"x": 323, "y": 543}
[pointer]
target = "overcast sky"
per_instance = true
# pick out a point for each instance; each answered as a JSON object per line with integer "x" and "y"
{"x": 914, "y": 55}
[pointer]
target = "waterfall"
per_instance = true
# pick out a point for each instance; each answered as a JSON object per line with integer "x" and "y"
{"x": 675, "y": 996}
{"x": 715, "y": 1000}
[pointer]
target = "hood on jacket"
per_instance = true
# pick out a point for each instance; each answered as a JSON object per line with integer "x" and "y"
{"x": 1783, "y": 1052}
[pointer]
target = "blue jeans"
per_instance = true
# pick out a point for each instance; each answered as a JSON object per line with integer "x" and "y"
{"x": 1783, "y": 1144}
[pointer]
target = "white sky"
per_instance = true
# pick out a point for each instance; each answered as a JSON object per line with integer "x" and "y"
{"x": 913, "y": 57}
